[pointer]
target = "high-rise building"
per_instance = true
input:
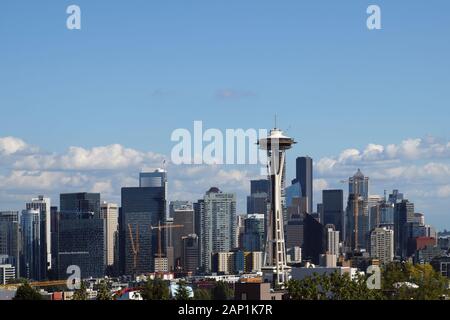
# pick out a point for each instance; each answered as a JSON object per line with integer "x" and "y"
{"x": 419, "y": 218}
{"x": 304, "y": 176}
{"x": 157, "y": 178}
{"x": 7, "y": 273}
{"x": 142, "y": 208}
{"x": 257, "y": 202}
{"x": 31, "y": 244}
{"x": 314, "y": 239}
{"x": 357, "y": 224}
{"x": 54, "y": 225}
{"x": 332, "y": 240}
{"x": 81, "y": 242}
{"x": 386, "y": 215}
{"x": 222, "y": 262}
{"x": 217, "y": 225}
{"x": 357, "y": 216}
{"x": 395, "y": 197}
{"x": 374, "y": 204}
{"x": 10, "y": 238}
{"x": 382, "y": 245}
{"x": 403, "y": 214}
{"x": 43, "y": 205}
{"x": 294, "y": 231}
{"x": 182, "y": 213}
{"x": 190, "y": 253}
{"x": 80, "y": 203}
{"x": 109, "y": 212}
{"x": 254, "y": 232}
{"x": 239, "y": 233}
{"x": 295, "y": 254}
{"x": 359, "y": 184}
{"x": 333, "y": 209}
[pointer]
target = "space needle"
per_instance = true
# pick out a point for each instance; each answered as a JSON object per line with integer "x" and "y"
{"x": 275, "y": 269}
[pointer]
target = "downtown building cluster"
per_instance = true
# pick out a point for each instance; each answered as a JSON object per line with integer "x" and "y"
{"x": 147, "y": 234}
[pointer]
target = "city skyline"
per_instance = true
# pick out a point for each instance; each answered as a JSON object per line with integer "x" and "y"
{"x": 92, "y": 170}
{"x": 87, "y": 109}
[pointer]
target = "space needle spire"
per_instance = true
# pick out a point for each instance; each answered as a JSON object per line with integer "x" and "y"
{"x": 275, "y": 269}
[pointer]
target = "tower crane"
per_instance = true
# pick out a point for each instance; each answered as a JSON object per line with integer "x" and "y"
{"x": 134, "y": 245}
{"x": 160, "y": 227}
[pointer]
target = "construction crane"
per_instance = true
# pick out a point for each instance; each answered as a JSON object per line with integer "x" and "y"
{"x": 134, "y": 245}
{"x": 159, "y": 228}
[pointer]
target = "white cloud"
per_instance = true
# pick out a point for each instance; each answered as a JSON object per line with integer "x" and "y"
{"x": 319, "y": 185}
{"x": 112, "y": 157}
{"x": 11, "y": 145}
{"x": 444, "y": 191}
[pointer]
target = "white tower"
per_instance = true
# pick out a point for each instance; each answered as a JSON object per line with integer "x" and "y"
{"x": 275, "y": 267}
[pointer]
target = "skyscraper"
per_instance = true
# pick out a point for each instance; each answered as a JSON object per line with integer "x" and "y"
{"x": 314, "y": 239}
{"x": 333, "y": 209}
{"x": 142, "y": 208}
{"x": 43, "y": 205}
{"x": 10, "y": 238}
{"x": 182, "y": 213}
{"x": 294, "y": 231}
{"x": 257, "y": 201}
{"x": 81, "y": 242}
{"x": 382, "y": 245}
{"x": 217, "y": 225}
{"x": 54, "y": 231}
{"x": 374, "y": 204}
{"x": 359, "y": 184}
{"x": 254, "y": 232}
{"x": 31, "y": 245}
{"x": 190, "y": 253}
{"x": 80, "y": 202}
{"x": 109, "y": 212}
{"x": 304, "y": 175}
{"x": 403, "y": 214}
{"x": 332, "y": 240}
{"x": 357, "y": 216}
{"x": 157, "y": 178}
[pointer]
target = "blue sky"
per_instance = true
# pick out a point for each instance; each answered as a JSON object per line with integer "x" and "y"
{"x": 140, "y": 69}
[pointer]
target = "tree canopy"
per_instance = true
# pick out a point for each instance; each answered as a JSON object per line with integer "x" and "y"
{"x": 403, "y": 281}
{"x": 26, "y": 292}
{"x": 156, "y": 289}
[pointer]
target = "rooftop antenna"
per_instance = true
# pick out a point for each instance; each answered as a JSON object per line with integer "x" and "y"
{"x": 275, "y": 121}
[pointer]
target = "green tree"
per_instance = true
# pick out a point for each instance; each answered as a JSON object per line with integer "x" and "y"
{"x": 26, "y": 292}
{"x": 81, "y": 294}
{"x": 222, "y": 291}
{"x": 103, "y": 292}
{"x": 156, "y": 289}
{"x": 331, "y": 287}
{"x": 202, "y": 294}
{"x": 182, "y": 292}
{"x": 431, "y": 284}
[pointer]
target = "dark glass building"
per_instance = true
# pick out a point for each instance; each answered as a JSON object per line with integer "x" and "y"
{"x": 254, "y": 233}
{"x": 304, "y": 176}
{"x": 403, "y": 213}
{"x": 314, "y": 240}
{"x": 80, "y": 202}
{"x": 182, "y": 213}
{"x": 81, "y": 243}
{"x": 257, "y": 201}
{"x": 142, "y": 208}
{"x": 333, "y": 209}
{"x": 10, "y": 238}
{"x": 190, "y": 253}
